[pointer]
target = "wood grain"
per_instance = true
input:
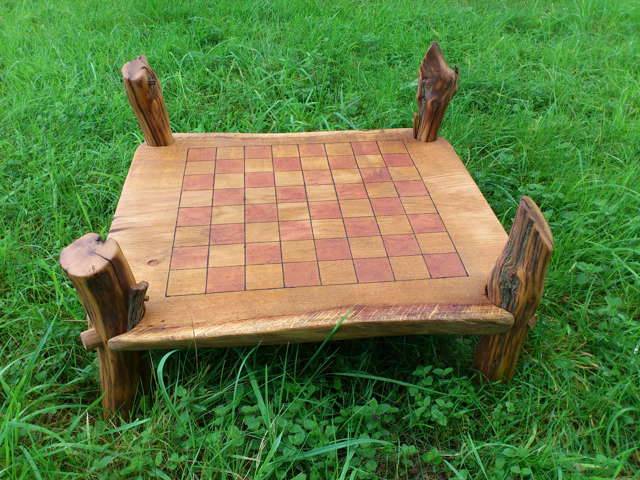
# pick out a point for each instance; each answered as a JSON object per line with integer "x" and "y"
{"x": 104, "y": 282}
{"x": 90, "y": 339}
{"x": 146, "y": 216}
{"x": 437, "y": 84}
{"x": 516, "y": 284}
{"x": 357, "y": 321}
{"x": 145, "y": 96}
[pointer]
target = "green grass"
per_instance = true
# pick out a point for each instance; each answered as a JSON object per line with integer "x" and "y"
{"x": 548, "y": 106}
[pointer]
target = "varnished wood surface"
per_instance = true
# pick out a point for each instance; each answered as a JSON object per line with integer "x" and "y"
{"x": 353, "y": 322}
{"x": 145, "y": 96}
{"x": 437, "y": 84}
{"x": 104, "y": 281}
{"x": 144, "y": 226}
{"x": 516, "y": 284}
{"x": 360, "y": 322}
{"x": 90, "y": 339}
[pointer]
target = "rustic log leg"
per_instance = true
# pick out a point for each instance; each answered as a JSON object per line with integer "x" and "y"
{"x": 437, "y": 84}
{"x": 114, "y": 303}
{"x": 515, "y": 284}
{"x": 145, "y": 96}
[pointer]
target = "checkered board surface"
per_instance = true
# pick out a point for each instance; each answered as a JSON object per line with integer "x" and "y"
{"x": 286, "y": 216}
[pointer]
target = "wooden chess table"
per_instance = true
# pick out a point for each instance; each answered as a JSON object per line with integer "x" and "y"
{"x": 244, "y": 239}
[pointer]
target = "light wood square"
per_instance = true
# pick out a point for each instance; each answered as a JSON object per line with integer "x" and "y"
{"x": 264, "y": 276}
{"x": 226, "y": 255}
{"x": 315, "y": 163}
{"x": 404, "y": 173}
{"x": 392, "y": 146}
{"x": 199, "y": 168}
{"x": 229, "y": 180}
{"x": 418, "y": 205}
{"x": 342, "y": 148}
{"x": 346, "y": 175}
{"x": 260, "y": 195}
{"x": 321, "y": 193}
{"x": 330, "y": 228}
{"x": 438, "y": 242}
{"x": 192, "y": 236}
{"x": 409, "y": 267}
{"x": 367, "y": 247}
{"x": 258, "y": 165}
{"x": 381, "y": 190}
{"x": 230, "y": 153}
{"x": 285, "y": 151}
{"x": 369, "y": 161}
{"x": 187, "y": 282}
{"x": 227, "y": 214}
{"x": 356, "y": 208}
{"x": 262, "y": 232}
{"x": 196, "y": 198}
{"x": 298, "y": 251}
{"x": 337, "y": 272}
{"x": 293, "y": 211}
{"x": 394, "y": 225}
{"x": 289, "y": 178}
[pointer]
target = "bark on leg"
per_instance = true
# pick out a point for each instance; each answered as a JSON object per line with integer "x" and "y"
{"x": 114, "y": 303}
{"x": 516, "y": 284}
{"x": 145, "y": 96}
{"x": 437, "y": 84}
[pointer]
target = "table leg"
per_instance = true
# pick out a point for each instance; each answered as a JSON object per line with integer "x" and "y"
{"x": 516, "y": 284}
{"x": 145, "y": 96}
{"x": 114, "y": 303}
{"x": 437, "y": 84}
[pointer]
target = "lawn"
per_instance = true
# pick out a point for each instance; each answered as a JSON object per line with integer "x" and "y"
{"x": 548, "y": 106}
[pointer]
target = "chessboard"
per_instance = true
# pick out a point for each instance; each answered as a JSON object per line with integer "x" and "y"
{"x": 297, "y": 215}
{"x": 233, "y": 231}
